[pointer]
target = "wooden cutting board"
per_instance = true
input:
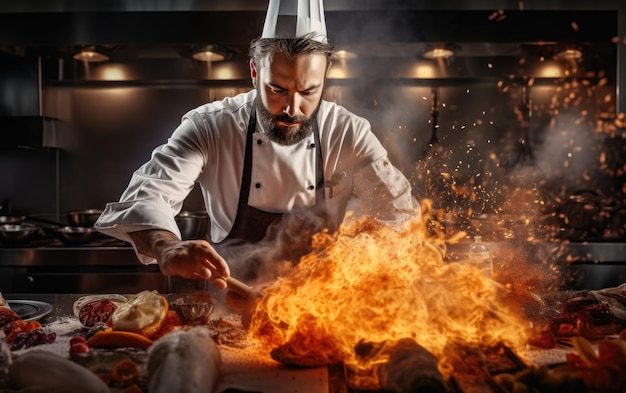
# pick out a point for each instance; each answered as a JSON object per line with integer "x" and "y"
{"x": 248, "y": 370}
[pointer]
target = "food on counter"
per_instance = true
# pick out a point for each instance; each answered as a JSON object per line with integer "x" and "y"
{"x": 593, "y": 314}
{"x": 541, "y": 380}
{"x": 49, "y": 372}
{"x": 80, "y": 302}
{"x": 225, "y": 333}
{"x": 5, "y": 360}
{"x": 193, "y": 308}
{"x": 22, "y": 334}
{"x": 184, "y": 361}
{"x": 78, "y": 344}
{"x": 589, "y": 314}
{"x": 172, "y": 322}
{"x": 585, "y": 370}
{"x": 6, "y": 316}
{"x": 144, "y": 314}
{"x": 601, "y": 372}
{"x": 118, "y": 339}
{"x": 14, "y": 328}
{"x": 400, "y": 366}
{"x": 124, "y": 373}
{"x": 33, "y": 338}
{"x": 96, "y": 311}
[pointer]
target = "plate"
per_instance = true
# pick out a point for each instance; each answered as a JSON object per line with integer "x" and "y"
{"x": 30, "y": 310}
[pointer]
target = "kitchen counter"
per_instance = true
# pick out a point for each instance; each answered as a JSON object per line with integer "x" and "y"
{"x": 243, "y": 369}
{"x": 109, "y": 266}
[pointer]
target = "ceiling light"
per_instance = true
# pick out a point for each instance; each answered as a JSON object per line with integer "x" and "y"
{"x": 569, "y": 54}
{"x": 208, "y": 53}
{"x": 91, "y": 55}
{"x": 439, "y": 52}
{"x": 344, "y": 55}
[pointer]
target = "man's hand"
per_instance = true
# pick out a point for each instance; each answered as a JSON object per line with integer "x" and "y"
{"x": 192, "y": 259}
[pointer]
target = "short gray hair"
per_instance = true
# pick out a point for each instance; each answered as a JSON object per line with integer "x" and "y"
{"x": 260, "y": 48}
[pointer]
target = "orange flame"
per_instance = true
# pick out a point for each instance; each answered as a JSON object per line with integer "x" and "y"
{"x": 370, "y": 282}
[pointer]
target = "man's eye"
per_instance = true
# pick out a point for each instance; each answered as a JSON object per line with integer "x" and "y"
{"x": 277, "y": 91}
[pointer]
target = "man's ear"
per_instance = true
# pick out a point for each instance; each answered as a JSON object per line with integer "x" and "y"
{"x": 253, "y": 72}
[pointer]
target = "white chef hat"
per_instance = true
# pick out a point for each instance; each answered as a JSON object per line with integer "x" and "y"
{"x": 294, "y": 19}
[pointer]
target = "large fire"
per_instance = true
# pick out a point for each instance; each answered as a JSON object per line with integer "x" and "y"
{"x": 370, "y": 282}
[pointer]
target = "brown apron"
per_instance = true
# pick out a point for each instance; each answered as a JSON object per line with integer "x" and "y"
{"x": 287, "y": 234}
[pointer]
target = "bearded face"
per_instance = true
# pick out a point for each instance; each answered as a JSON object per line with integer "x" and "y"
{"x": 284, "y": 129}
{"x": 290, "y": 92}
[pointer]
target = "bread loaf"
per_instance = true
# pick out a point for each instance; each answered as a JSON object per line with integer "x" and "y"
{"x": 184, "y": 361}
{"x": 49, "y": 372}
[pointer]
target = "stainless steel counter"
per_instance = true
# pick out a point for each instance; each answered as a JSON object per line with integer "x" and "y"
{"x": 76, "y": 269}
{"x": 113, "y": 267}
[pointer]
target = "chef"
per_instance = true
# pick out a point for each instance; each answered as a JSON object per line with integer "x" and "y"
{"x": 275, "y": 165}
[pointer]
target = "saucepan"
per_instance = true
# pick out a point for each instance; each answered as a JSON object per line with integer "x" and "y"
{"x": 83, "y": 218}
{"x": 67, "y": 234}
{"x": 75, "y": 235}
{"x": 193, "y": 224}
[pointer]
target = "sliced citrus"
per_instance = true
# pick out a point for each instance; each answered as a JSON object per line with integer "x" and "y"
{"x": 143, "y": 314}
{"x": 584, "y": 349}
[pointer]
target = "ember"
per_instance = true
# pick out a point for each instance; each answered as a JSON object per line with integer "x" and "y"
{"x": 369, "y": 282}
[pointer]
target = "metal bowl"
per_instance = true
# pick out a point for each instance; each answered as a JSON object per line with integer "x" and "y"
{"x": 75, "y": 235}
{"x": 193, "y": 225}
{"x": 18, "y": 233}
{"x": 83, "y": 218}
{"x": 11, "y": 219}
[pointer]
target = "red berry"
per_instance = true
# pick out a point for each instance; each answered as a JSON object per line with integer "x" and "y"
{"x": 79, "y": 348}
{"x": 77, "y": 339}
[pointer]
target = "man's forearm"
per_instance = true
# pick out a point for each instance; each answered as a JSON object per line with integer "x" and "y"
{"x": 151, "y": 241}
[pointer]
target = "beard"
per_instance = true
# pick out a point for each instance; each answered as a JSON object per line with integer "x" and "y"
{"x": 281, "y": 134}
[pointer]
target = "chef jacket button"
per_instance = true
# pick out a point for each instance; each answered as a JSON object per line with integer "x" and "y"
{"x": 258, "y": 185}
{"x": 259, "y": 142}
{"x": 311, "y": 187}
{"x": 312, "y": 145}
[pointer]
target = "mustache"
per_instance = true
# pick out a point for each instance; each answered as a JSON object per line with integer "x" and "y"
{"x": 288, "y": 119}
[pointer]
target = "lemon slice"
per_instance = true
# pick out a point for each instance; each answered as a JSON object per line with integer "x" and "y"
{"x": 143, "y": 314}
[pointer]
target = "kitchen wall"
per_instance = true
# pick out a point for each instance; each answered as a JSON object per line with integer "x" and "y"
{"x": 111, "y": 130}
{"x": 478, "y": 165}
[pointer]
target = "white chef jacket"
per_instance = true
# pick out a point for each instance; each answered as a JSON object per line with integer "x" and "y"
{"x": 208, "y": 148}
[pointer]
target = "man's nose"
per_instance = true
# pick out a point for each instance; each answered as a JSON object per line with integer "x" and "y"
{"x": 292, "y": 107}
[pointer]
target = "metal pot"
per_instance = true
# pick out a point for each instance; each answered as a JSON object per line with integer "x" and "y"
{"x": 193, "y": 225}
{"x": 18, "y": 233}
{"x": 83, "y": 218}
{"x": 75, "y": 235}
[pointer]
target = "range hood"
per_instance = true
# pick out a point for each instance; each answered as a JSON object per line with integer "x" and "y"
{"x": 21, "y": 119}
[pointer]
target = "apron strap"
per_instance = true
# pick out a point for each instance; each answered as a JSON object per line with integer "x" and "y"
{"x": 246, "y": 176}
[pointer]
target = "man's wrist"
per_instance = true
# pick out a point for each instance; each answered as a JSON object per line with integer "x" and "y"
{"x": 150, "y": 242}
